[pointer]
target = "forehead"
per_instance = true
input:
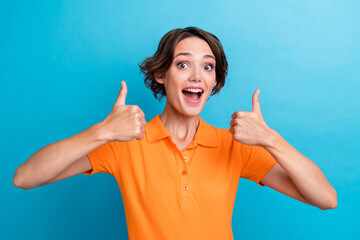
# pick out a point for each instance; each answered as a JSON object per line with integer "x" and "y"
{"x": 193, "y": 45}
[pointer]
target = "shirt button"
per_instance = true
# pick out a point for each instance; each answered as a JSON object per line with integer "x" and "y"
{"x": 186, "y": 187}
{"x": 184, "y": 172}
{"x": 186, "y": 159}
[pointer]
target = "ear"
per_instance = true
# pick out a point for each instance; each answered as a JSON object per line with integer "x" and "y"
{"x": 159, "y": 78}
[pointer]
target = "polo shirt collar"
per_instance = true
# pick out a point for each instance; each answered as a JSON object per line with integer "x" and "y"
{"x": 205, "y": 135}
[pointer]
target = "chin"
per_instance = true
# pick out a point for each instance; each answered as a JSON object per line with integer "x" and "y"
{"x": 191, "y": 111}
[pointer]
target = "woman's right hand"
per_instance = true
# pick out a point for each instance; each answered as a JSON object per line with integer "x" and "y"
{"x": 125, "y": 122}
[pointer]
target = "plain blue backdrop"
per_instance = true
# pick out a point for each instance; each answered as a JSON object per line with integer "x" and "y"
{"x": 62, "y": 63}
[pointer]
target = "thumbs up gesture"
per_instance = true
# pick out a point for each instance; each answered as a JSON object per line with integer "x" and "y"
{"x": 125, "y": 122}
{"x": 250, "y": 127}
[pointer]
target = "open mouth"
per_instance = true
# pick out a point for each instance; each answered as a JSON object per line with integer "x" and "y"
{"x": 193, "y": 94}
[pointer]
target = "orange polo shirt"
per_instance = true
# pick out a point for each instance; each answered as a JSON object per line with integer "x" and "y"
{"x": 174, "y": 195}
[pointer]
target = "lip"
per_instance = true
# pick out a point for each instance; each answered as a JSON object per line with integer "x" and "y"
{"x": 191, "y": 101}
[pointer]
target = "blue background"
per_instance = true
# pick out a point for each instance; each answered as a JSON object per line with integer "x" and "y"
{"x": 62, "y": 63}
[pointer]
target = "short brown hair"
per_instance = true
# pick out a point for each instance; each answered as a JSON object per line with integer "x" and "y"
{"x": 160, "y": 62}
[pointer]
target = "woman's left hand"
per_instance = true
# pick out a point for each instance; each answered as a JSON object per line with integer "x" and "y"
{"x": 250, "y": 127}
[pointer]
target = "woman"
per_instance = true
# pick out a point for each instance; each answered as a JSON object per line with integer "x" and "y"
{"x": 178, "y": 175}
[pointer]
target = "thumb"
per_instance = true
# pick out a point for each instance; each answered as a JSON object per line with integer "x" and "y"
{"x": 122, "y": 94}
{"x": 255, "y": 102}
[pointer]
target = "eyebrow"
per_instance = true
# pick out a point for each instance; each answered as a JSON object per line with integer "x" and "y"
{"x": 189, "y": 54}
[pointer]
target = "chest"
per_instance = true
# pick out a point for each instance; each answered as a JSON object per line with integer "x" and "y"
{"x": 174, "y": 175}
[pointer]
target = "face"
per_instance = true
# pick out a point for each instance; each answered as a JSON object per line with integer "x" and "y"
{"x": 191, "y": 77}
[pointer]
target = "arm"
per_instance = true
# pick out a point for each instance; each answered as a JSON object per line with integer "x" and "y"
{"x": 294, "y": 174}
{"x": 67, "y": 157}
{"x": 277, "y": 179}
{"x": 297, "y": 176}
{"x": 51, "y": 160}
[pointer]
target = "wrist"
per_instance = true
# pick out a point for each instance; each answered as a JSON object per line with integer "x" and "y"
{"x": 100, "y": 133}
{"x": 271, "y": 139}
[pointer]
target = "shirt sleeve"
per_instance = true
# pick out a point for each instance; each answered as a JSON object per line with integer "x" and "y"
{"x": 256, "y": 162}
{"x": 104, "y": 158}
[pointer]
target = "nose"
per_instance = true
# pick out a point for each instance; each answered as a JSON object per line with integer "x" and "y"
{"x": 195, "y": 75}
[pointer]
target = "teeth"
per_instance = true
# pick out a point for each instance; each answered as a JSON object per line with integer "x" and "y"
{"x": 194, "y": 90}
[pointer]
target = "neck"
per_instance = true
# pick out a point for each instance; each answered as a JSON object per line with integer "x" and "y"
{"x": 179, "y": 126}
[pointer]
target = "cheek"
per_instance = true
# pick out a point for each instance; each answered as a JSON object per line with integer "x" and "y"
{"x": 214, "y": 84}
{"x": 213, "y": 79}
{"x": 170, "y": 88}
{"x": 174, "y": 81}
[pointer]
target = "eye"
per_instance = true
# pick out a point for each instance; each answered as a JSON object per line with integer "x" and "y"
{"x": 208, "y": 67}
{"x": 182, "y": 65}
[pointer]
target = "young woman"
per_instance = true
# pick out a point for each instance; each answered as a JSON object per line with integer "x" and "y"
{"x": 178, "y": 175}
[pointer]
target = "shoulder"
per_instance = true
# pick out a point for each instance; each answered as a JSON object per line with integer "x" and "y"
{"x": 220, "y": 132}
{"x": 223, "y": 135}
{"x": 225, "y": 138}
